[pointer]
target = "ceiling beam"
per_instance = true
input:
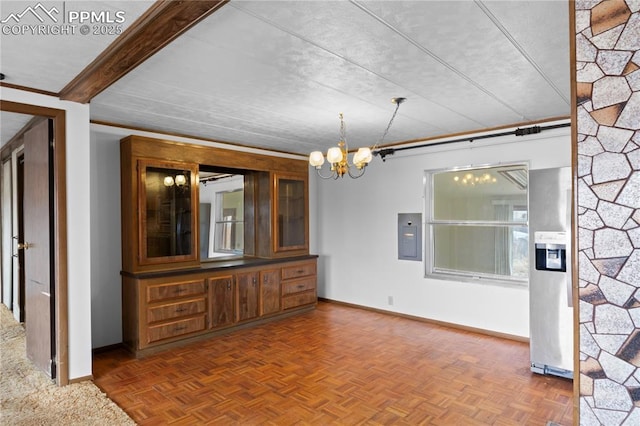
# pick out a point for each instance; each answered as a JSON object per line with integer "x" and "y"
{"x": 164, "y": 21}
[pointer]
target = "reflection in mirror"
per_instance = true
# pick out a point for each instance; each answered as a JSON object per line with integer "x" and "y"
{"x": 473, "y": 194}
{"x": 479, "y": 223}
{"x": 221, "y": 214}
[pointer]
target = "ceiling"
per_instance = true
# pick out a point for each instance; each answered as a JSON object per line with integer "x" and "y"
{"x": 276, "y": 74}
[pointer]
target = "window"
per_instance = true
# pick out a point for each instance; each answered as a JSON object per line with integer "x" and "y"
{"x": 229, "y": 226}
{"x": 221, "y": 213}
{"x": 477, "y": 222}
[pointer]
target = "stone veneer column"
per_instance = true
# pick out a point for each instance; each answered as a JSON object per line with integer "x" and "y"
{"x": 608, "y": 190}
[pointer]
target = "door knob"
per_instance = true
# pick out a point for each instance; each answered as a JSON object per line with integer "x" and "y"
{"x": 24, "y": 246}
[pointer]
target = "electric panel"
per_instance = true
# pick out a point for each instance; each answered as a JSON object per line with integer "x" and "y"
{"x": 410, "y": 236}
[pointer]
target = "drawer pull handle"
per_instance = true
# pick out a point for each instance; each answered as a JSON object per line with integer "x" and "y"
{"x": 300, "y": 271}
{"x": 181, "y": 310}
{"x": 180, "y": 328}
{"x": 300, "y": 286}
{"x": 178, "y": 290}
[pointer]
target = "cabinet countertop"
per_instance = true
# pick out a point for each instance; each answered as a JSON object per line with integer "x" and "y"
{"x": 218, "y": 265}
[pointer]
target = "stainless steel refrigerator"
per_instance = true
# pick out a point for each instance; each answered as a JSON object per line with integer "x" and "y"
{"x": 550, "y": 301}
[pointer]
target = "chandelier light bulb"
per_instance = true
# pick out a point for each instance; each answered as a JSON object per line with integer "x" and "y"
{"x": 168, "y": 181}
{"x": 357, "y": 159}
{"x": 366, "y": 154}
{"x": 470, "y": 179}
{"x": 334, "y": 155}
{"x": 316, "y": 159}
{"x": 362, "y": 157}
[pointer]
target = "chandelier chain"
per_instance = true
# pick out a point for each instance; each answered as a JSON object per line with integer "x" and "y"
{"x": 338, "y": 157}
{"x": 397, "y": 101}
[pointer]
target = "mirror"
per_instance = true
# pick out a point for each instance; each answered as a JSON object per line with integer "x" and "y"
{"x": 221, "y": 213}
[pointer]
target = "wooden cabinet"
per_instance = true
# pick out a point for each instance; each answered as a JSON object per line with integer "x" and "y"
{"x": 167, "y": 212}
{"x": 290, "y": 213}
{"x": 299, "y": 284}
{"x": 173, "y": 309}
{"x": 159, "y": 212}
{"x": 222, "y": 301}
{"x": 169, "y": 295}
{"x": 282, "y": 200}
{"x": 269, "y": 291}
{"x": 167, "y": 310}
{"x": 248, "y": 295}
{"x": 160, "y": 203}
{"x": 176, "y": 328}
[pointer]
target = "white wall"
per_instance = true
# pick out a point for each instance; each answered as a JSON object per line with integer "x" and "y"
{"x": 78, "y": 229}
{"x": 357, "y": 241}
{"x": 106, "y": 258}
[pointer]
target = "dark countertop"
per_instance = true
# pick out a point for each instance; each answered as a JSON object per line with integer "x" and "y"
{"x": 217, "y": 265}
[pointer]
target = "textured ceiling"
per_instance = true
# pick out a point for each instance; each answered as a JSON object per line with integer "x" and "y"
{"x": 277, "y": 74}
{"x": 10, "y": 124}
{"x": 47, "y": 62}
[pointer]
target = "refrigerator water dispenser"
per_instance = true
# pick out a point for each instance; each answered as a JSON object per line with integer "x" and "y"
{"x": 551, "y": 251}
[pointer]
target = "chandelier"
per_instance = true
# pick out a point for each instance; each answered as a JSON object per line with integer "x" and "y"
{"x": 473, "y": 179}
{"x": 338, "y": 156}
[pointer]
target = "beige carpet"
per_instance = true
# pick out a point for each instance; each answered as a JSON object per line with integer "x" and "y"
{"x": 29, "y": 397}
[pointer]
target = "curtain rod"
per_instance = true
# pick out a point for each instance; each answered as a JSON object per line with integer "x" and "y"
{"x": 518, "y": 132}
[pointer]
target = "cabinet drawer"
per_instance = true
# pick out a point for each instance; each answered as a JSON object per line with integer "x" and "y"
{"x": 299, "y": 299}
{"x": 176, "y": 310}
{"x": 297, "y": 286}
{"x": 173, "y": 290}
{"x": 301, "y": 270}
{"x": 176, "y": 328}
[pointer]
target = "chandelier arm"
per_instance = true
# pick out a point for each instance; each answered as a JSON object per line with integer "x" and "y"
{"x": 331, "y": 176}
{"x": 362, "y": 170}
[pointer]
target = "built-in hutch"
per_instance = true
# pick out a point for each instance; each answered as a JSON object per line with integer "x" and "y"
{"x": 173, "y": 292}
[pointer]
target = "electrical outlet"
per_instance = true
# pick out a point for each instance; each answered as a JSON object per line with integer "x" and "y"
{"x": 390, "y": 300}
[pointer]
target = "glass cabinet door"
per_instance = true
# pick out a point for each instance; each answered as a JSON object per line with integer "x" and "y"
{"x": 167, "y": 197}
{"x": 290, "y": 213}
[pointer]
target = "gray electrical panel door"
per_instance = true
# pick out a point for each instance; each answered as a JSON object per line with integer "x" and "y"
{"x": 410, "y": 236}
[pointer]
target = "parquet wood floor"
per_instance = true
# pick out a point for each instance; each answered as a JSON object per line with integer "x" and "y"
{"x": 337, "y": 365}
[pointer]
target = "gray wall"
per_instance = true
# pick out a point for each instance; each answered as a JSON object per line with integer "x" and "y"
{"x": 106, "y": 260}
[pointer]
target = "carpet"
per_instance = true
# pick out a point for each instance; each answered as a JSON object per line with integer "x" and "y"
{"x": 29, "y": 397}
